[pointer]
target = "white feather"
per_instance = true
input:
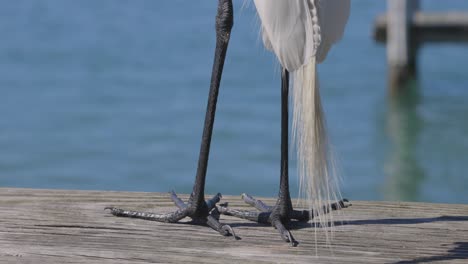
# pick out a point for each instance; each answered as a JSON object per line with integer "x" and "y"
{"x": 301, "y": 33}
{"x": 333, "y": 16}
{"x": 297, "y": 30}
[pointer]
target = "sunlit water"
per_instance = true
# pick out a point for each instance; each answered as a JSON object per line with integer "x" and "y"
{"x": 111, "y": 95}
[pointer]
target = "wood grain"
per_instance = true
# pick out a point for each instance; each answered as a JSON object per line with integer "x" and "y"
{"x": 59, "y": 226}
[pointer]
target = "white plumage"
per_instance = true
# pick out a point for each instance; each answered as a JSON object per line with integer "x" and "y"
{"x": 297, "y": 30}
{"x": 300, "y": 33}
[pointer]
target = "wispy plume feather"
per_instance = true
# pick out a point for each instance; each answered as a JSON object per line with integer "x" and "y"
{"x": 318, "y": 178}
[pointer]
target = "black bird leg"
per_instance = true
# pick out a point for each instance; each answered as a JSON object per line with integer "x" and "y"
{"x": 201, "y": 211}
{"x": 282, "y": 213}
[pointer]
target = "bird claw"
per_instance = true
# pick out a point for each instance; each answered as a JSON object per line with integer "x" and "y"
{"x": 199, "y": 215}
{"x": 343, "y": 204}
{"x": 228, "y": 231}
{"x": 287, "y": 237}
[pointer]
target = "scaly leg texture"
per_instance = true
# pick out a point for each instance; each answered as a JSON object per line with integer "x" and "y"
{"x": 201, "y": 211}
{"x": 281, "y": 214}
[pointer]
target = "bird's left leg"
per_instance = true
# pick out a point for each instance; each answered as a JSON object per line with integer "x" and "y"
{"x": 281, "y": 214}
{"x": 201, "y": 211}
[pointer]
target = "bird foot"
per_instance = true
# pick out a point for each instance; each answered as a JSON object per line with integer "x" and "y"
{"x": 274, "y": 215}
{"x": 205, "y": 214}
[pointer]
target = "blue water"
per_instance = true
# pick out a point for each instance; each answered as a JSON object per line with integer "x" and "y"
{"x": 111, "y": 95}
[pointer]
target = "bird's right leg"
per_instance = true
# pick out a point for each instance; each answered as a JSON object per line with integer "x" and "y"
{"x": 281, "y": 214}
{"x": 201, "y": 211}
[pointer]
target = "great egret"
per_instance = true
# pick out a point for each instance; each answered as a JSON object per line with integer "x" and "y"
{"x": 300, "y": 33}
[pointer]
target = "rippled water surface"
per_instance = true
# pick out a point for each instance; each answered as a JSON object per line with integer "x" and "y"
{"x": 111, "y": 95}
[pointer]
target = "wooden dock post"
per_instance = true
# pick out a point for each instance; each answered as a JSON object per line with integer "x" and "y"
{"x": 405, "y": 28}
{"x": 402, "y": 46}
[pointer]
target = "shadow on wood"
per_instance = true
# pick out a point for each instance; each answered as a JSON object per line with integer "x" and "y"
{"x": 404, "y": 221}
{"x": 459, "y": 252}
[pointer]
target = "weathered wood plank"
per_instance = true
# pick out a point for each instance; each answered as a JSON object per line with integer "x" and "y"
{"x": 56, "y": 226}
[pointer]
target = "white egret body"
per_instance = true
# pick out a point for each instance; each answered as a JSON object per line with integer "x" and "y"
{"x": 300, "y": 33}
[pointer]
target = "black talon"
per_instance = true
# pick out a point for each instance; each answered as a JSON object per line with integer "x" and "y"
{"x": 230, "y": 232}
{"x": 292, "y": 241}
{"x": 213, "y": 201}
{"x": 346, "y": 205}
{"x": 287, "y": 236}
{"x": 215, "y": 213}
{"x": 177, "y": 201}
{"x": 259, "y": 204}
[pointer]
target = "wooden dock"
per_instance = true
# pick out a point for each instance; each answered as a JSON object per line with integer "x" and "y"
{"x": 58, "y": 226}
{"x": 405, "y": 28}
